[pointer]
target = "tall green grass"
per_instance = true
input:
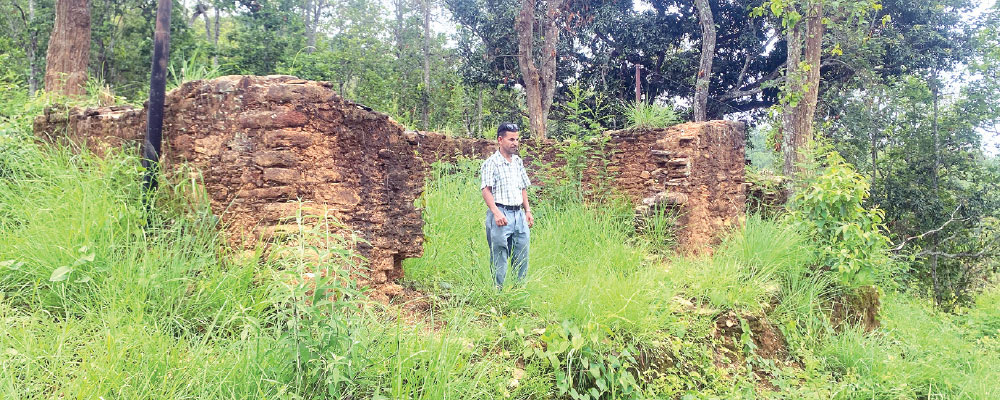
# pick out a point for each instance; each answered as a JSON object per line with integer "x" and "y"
{"x": 582, "y": 264}
{"x": 920, "y": 353}
{"x": 643, "y": 115}
{"x": 752, "y": 267}
{"x": 100, "y": 298}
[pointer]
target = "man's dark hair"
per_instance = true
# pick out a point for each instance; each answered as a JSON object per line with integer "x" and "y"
{"x": 506, "y": 127}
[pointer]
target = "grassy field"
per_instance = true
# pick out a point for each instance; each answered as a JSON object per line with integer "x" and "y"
{"x": 102, "y": 298}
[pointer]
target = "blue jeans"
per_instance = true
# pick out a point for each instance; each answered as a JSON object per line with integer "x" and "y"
{"x": 508, "y": 241}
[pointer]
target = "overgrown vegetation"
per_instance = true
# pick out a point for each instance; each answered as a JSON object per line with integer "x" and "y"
{"x": 103, "y": 298}
{"x": 642, "y": 115}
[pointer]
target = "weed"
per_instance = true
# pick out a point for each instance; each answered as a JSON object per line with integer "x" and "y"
{"x": 641, "y": 115}
{"x": 583, "y": 371}
{"x": 317, "y": 301}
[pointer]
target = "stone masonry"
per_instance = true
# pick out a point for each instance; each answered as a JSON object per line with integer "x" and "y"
{"x": 695, "y": 169}
{"x": 262, "y": 144}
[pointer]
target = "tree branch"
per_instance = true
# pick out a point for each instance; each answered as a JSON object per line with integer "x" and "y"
{"x": 932, "y": 231}
{"x": 23, "y": 17}
{"x": 984, "y": 253}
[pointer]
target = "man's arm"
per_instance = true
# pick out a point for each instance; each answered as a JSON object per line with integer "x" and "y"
{"x": 527, "y": 208}
{"x": 498, "y": 216}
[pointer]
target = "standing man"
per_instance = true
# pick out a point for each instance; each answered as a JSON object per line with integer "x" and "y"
{"x": 505, "y": 191}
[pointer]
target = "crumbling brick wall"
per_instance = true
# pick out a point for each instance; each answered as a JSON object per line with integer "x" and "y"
{"x": 101, "y": 129}
{"x": 262, "y": 143}
{"x": 695, "y": 169}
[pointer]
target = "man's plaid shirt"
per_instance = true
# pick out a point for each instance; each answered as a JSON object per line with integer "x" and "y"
{"x": 505, "y": 178}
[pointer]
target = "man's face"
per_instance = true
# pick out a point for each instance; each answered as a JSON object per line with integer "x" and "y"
{"x": 509, "y": 142}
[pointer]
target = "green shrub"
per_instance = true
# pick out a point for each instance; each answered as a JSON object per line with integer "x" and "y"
{"x": 585, "y": 113}
{"x": 850, "y": 237}
{"x": 581, "y": 369}
{"x": 317, "y": 301}
{"x": 983, "y": 317}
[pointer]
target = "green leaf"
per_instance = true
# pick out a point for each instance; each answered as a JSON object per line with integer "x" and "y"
{"x": 60, "y": 274}
{"x": 13, "y": 265}
{"x": 87, "y": 258}
{"x": 601, "y": 385}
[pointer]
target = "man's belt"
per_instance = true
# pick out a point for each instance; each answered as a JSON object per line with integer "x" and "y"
{"x": 511, "y": 208}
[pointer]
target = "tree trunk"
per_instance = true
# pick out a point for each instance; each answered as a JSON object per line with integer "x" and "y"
{"x": 802, "y": 80}
{"x": 479, "y": 114}
{"x": 32, "y": 50}
{"x": 426, "y": 93}
{"x": 934, "y": 183}
{"x": 215, "y": 40}
{"x": 314, "y": 10}
{"x": 707, "y": 55}
{"x": 208, "y": 27}
{"x": 69, "y": 48}
{"x": 539, "y": 80}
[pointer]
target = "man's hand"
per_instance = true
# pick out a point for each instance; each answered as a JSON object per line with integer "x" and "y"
{"x": 500, "y": 219}
{"x": 531, "y": 219}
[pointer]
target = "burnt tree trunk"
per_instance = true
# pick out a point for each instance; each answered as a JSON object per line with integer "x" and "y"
{"x": 157, "y": 94}
{"x": 69, "y": 48}
{"x": 539, "y": 75}
{"x": 707, "y": 54}
{"x": 805, "y": 48}
{"x": 426, "y": 93}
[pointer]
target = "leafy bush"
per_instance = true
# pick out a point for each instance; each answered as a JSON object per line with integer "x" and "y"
{"x": 650, "y": 116}
{"x": 581, "y": 369}
{"x": 850, "y": 237}
{"x": 984, "y": 317}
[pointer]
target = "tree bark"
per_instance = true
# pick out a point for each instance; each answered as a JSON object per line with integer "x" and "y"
{"x": 539, "y": 79}
{"x": 802, "y": 80}
{"x": 69, "y": 48}
{"x": 208, "y": 27}
{"x": 479, "y": 114}
{"x": 201, "y": 10}
{"x": 707, "y": 55}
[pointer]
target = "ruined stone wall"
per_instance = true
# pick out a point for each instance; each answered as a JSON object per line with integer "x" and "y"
{"x": 696, "y": 169}
{"x": 100, "y": 129}
{"x": 260, "y": 144}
